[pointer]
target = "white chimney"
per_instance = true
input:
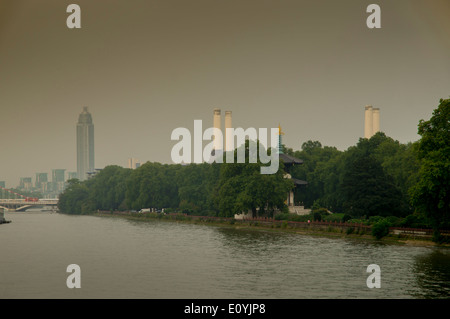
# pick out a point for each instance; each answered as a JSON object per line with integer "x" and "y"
{"x": 376, "y": 120}
{"x": 368, "y": 122}
{"x": 228, "y": 124}
{"x": 217, "y": 120}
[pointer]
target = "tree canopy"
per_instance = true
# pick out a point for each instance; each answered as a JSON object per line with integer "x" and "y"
{"x": 431, "y": 193}
{"x": 212, "y": 189}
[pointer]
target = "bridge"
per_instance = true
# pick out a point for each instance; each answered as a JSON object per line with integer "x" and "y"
{"x": 20, "y": 203}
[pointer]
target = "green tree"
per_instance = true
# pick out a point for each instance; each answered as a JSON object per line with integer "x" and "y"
{"x": 398, "y": 161}
{"x": 319, "y": 169}
{"x": 242, "y": 187}
{"x": 380, "y": 229}
{"x": 195, "y": 186}
{"x": 74, "y": 199}
{"x": 107, "y": 189}
{"x": 152, "y": 185}
{"x": 431, "y": 194}
{"x": 368, "y": 190}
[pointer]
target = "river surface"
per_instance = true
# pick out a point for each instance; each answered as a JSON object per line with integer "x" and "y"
{"x": 120, "y": 258}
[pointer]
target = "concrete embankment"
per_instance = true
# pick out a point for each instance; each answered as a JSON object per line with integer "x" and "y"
{"x": 330, "y": 229}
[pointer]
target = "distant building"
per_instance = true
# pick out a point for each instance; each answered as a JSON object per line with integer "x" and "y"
{"x": 40, "y": 178}
{"x": 85, "y": 145}
{"x": 26, "y": 183}
{"x": 45, "y": 188}
{"x": 41, "y": 182}
{"x": 3, "y": 184}
{"x": 72, "y": 175}
{"x": 133, "y": 163}
{"x": 58, "y": 175}
{"x": 58, "y": 180}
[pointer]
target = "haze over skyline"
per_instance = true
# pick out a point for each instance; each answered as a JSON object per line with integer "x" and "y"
{"x": 144, "y": 68}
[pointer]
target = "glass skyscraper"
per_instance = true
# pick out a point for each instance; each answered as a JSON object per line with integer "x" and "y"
{"x": 85, "y": 144}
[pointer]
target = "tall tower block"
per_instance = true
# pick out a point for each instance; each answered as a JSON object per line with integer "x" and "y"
{"x": 376, "y": 120}
{"x": 85, "y": 144}
{"x": 216, "y": 122}
{"x": 228, "y": 124}
{"x": 368, "y": 122}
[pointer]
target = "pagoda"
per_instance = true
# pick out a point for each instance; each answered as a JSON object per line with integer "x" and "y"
{"x": 289, "y": 162}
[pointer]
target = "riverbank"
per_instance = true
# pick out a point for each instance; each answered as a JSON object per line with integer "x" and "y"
{"x": 407, "y": 236}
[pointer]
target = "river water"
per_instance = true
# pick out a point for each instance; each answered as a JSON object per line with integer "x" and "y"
{"x": 121, "y": 258}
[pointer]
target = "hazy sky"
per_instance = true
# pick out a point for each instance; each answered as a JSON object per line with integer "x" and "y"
{"x": 146, "y": 67}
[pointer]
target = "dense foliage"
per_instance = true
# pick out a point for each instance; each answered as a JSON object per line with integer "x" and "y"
{"x": 371, "y": 178}
{"x": 202, "y": 189}
{"x": 431, "y": 194}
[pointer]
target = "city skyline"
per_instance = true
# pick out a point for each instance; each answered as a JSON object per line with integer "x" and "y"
{"x": 145, "y": 68}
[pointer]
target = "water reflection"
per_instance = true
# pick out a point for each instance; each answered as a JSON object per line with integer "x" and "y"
{"x": 245, "y": 239}
{"x": 432, "y": 274}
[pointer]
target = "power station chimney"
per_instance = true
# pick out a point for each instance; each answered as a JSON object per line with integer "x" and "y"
{"x": 376, "y": 121}
{"x": 371, "y": 121}
{"x": 217, "y": 120}
{"x": 368, "y": 121}
{"x": 228, "y": 124}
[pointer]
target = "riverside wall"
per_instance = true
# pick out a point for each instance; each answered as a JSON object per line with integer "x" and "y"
{"x": 271, "y": 223}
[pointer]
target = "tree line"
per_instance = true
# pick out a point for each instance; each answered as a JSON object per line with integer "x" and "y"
{"x": 204, "y": 189}
{"x": 376, "y": 177}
